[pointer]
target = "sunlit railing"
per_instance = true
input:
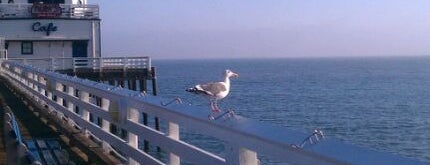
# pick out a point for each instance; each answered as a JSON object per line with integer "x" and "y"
{"x": 26, "y": 10}
{"x": 55, "y": 64}
{"x": 243, "y": 139}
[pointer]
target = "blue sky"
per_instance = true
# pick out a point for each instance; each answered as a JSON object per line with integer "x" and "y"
{"x": 265, "y": 28}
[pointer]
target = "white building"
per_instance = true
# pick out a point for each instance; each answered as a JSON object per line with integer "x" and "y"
{"x": 50, "y": 28}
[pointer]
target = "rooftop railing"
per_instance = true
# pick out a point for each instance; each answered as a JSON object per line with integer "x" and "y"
{"x": 3, "y": 54}
{"x": 97, "y": 64}
{"x": 2, "y": 43}
{"x": 52, "y": 11}
{"x": 243, "y": 139}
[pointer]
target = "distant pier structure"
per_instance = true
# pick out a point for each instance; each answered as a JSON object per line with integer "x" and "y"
{"x": 64, "y": 36}
{"x": 135, "y": 73}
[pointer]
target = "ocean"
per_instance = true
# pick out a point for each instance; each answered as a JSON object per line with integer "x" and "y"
{"x": 378, "y": 103}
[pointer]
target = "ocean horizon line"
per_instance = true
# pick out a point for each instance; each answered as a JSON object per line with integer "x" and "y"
{"x": 292, "y": 58}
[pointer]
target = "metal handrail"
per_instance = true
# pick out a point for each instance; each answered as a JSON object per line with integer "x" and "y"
{"x": 244, "y": 138}
{"x": 99, "y": 63}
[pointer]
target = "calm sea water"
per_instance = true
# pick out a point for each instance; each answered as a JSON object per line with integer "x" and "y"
{"x": 379, "y": 103}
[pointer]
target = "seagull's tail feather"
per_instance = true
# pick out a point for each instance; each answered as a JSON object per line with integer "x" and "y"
{"x": 192, "y": 90}
{"x": 198, "y": 91}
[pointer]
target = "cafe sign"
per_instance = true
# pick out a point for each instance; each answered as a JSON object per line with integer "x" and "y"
{"x": 46, "y": 28}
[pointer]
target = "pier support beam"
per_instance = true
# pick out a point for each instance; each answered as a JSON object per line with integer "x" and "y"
{"x": 133, "y": 84}
{"x": 111, "y": 82}
{"x": 143, "y": 86}
{"x": 121, "y": 83}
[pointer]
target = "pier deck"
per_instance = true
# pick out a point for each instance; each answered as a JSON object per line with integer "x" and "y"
{"x": 32, "y": 128}
{"x": 3, "y": 153}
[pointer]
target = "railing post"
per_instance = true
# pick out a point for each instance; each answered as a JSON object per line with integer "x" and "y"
{"x": 173, "y": 133}
{"x": 124, "y": 63}
{"x": 133, "y": 140}
{"x": 59, "y": 87}
{"x": 105, "y": 104}
{"x": 85, "y": 97}
{"x": 52, "y": 64}
{"x": 248, "y": 157}
{"x": 100, "y": 64}
{"x": 241, "y": 156}
{"x": 149, "y": 65}
{"x": 41, "y": 80}
{"x": 73, "y": 65}
{"x": 49, "y": 95}
{"x": 106, "y": 128}
{"x": 42, "y": 91}
{"x": 70, "y": 91}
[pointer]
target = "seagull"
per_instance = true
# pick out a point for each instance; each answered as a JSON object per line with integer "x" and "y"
{"x": 214, "y": 91}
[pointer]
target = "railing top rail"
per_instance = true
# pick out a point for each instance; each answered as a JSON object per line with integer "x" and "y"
{"x": 88, "y": 62}
{"x": 28, "y": 10}
{"x": 270, "y": 140}
{"x": 104, "y": 58}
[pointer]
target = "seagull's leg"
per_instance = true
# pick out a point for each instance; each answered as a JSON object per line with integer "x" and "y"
{"x": 212, "y": 105}
{"x": 216, "y": 106}
{"x": 213, "y": 110}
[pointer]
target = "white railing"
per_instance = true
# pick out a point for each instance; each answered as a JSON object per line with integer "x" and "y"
{"x": 55, "y": 64}
{"x": 3, "y": 51}
{"x": 243, "y": 138}
{"x": 3, "y": 54}
{"x": 2, "y": 43}
{"x": 54, "y": 11}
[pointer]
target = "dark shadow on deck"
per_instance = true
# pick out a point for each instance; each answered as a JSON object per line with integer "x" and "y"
{"x": 30, "y": 124}
{"x": 3, "y": 154}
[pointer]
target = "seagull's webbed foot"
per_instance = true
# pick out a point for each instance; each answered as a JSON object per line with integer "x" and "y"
{"x": 216, "y": 110}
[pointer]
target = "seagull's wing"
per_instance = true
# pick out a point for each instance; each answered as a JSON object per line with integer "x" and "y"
{"x": 212, "y": 88}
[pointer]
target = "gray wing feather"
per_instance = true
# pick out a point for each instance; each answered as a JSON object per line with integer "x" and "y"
{"x": 213, "y": 88}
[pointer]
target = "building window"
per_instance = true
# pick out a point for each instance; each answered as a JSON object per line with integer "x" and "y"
{"x": 27, "y": 47}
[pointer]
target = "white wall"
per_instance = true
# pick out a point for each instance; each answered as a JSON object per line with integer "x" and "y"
{"x": 22, "y": 29}
{"x": 42, "y": 49}
{"x": 67, "y": 30}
